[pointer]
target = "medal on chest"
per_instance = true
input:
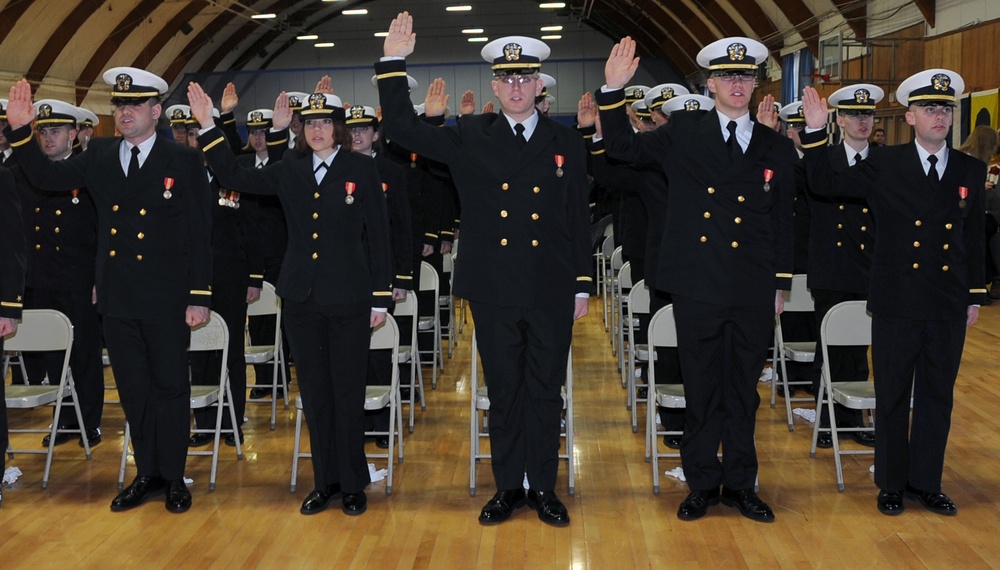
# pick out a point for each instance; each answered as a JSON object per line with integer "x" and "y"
{"x": 413, "y": 160}
{"x": 75, "y": 199}
{"x": 168, "y": 183}
{"x": 560, "y": 160}
{"x": 768, "y": 175}
{"x": 349, "y": 187}
{"x": 963, "y": 193}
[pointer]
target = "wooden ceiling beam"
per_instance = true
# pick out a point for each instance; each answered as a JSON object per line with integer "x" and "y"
{"x": 60, "y": 38}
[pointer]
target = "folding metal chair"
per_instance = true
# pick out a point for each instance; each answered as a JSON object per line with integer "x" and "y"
{"x": 431, "y": 324}
{"x": 274, "y": 354}
{"x": 638, "y": 304}
{"x": 797, "y": 300}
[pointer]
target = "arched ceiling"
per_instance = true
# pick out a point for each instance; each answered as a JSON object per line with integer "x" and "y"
{"x": 63, "y": 46}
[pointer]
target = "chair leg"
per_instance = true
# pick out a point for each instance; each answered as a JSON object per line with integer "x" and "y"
{"x": 125, "y": 453}
{"x": 295, "y": 451}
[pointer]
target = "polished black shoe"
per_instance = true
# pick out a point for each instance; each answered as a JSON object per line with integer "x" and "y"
{"x": 61, "y": 438}
{"x": 262, "y": 393}
{"x": 382, "y": 442}
{"x": 824, "y": 441}
{"x": 200, "y": 439}
{"x": 135, "y": 494}
{"x": 318, "y": 501}
{"x": 501, "y": 506}
{"x": 178, "y": 496}
{"x": 696, "y": 504}
{"x": 673, "y": 442}
{"x": 749, "y": 504}
{"x": 890, "y": 503}
{"x": 93, "y": 437}
{"x": 354, "y": 503}
{"x": 231, "y": 440}
{"x": 934, "y": 502}
{"x": 550, "y": 509}
{"x": 865, "y": 438}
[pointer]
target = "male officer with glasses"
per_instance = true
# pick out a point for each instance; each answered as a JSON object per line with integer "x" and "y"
{"x": 926, "y": 278}
{"x": 525, "y": 263}
{"x": 154, "y": 266}
{"x": 726, "y": 255}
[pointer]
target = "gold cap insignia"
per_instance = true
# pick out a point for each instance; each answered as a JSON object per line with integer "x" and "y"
{"x": 317, "y": 101}
{"x": 512, "y": 52}
{"x": 667, "y": 93}
{"x": 692, "y": 105}
{"x": 256, "y": 116}
{"x": 941, "y": 82}
{"x": 293, "y": 101}
{"x": 737, "y": 51}
{"x": 123, "y": 82}
{"x": 177, "y": 115}
{"x": 44, "y": 111}
{"x": 638, "y": 93}
{"x": 357, "y": 112}
{"x": 801, "y": 112}
{"x": 862, "y": 95}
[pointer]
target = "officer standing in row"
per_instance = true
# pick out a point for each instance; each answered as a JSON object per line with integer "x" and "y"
{"x": 525, "y": 265}
{"x": 12, "y": 266}
{"x": 154, "y": 267}
{"x": 926, "y": 285}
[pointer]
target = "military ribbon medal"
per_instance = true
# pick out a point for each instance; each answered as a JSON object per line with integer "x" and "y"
{"x": 385, "y": 187}
{"x": 413, "y": 160}
{"x": 350, "y": 186}
{"x": 168, "y": 183}
{"x": 963, "y": 193}
{"x": 75, "y": 200}
{"x": 768, "y": 175}
{"x": 560, "y": 160}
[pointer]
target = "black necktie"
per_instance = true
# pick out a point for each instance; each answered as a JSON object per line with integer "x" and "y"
{"x": 932, "y": 173}
{"x": 261, "y": 165}
{"x": 133, "y": 165}
{"x": 519, "y": 135}
{"x": 857, "y": 157}
{"x": 735, "y": 150}
{"x": 320, "y": 172}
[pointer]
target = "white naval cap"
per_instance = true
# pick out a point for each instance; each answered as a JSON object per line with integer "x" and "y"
{"x": 931, "y": 87}
{"x": 732, "y": 54}
{"x": 192, "y": 123}
{"x": 53, "y": 112}
{"x": 3, "y": 109}
{"x": 259, "y": 119}
{"x": 362, "y": 116}
{"x": 515, "y": 55}
{"x": 640, "y": 109}
{"x": 134, "y": 83}
{"x": 296, "y": 100}
{"x": 90, "y": 118}
{"x": 688, "y": 102}
{"x": 660, "y": 94}
{"x": 635, "y": 93}
{"x": 323, "y": 105}
{"x": 792, "y": 113}
{"x": 857, "y": 97}
{"x": 547, "y": 82}
{"x": 178, "y": 114}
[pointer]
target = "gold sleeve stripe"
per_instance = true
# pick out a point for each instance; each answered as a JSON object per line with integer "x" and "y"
{"x": 213, "y": 143}
{"x": 612, "y": 106}
{"x": 233, "y": 120}
{"x": 382, "y": 293}
{"x": 382, "y": 76}
{"x": 255, "y": 276}
{"x": 585, "y": 278}
{"x": 21, "y": 142}
{"x": 815, "y": 144}
{"x": 200, "y": 292}
{"x": 783, "y": 275}
{"x": 977, "y": 290}
{"x": 404, "y": 277}
{"x": 597, "y": 152}
{"x": 278, "y": 143}
{"x": 18, "y": 305}
{"x": 428, "y": 234}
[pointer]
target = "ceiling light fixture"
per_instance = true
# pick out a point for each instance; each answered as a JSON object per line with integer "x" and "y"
{"x": 381, "y": 34}
{"x": 472, "y": 31}
{"x": 551, "y": 28}
{"x": 458, "y": 8}
{"x": 307, "y": 37}
{"x": 479, "y": 39}
{"x": 552, "y": 5}
{"x": 552, "y": 37}
{"x": 263, "y": 16}
{"x": 323, "y": 44}
{"x": 359, "y": 12}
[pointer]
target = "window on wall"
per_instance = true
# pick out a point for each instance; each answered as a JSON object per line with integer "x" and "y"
{"x": 831, "y": 55}
{"x": 797, "y": 70}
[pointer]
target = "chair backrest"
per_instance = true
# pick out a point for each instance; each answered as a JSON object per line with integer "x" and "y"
{"x": 609, "y": 230}
{"x": 638, "y": 298}
{"x": 799, "y": 299}
{"x": 386, "y": 336}
{"x": 616, "y": 259}
{"x": 268, "y": 304}
{"x": 213, "y": 335}
{"x": 41, "y": 329}
{"x": 406, "y": 307}
{"x": 447, "y": 263}
{"x": 662, "y": 328}
{"x": 608, "y": 246}
{"x": 625, "y": 276}
{"x": 847, "y": 324}
{"x": 428, "y": 278}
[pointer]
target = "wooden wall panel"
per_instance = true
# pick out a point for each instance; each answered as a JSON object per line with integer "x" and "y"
{"x": 979, "y": 66}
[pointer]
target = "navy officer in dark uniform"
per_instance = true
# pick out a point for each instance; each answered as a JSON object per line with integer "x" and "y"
{"x": 12, "y": 265}
{"x": 525, "y": 265}
{"x": 926, "y": 278}
{"x": 154, "y": 267}
{"x": 726, "y": 255}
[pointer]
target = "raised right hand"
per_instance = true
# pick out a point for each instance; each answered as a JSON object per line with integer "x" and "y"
{"x": 621, "y": 64}
{"x": 401, "y": 39}
{"x": 20, "y": 111}
{"x": 201, "y": 104}
{"x": 814, "y": 108}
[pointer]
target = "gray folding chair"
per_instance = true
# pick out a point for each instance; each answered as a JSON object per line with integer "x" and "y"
{"x": 274, "y": 354}
{"x": 431, "y": 324}
{"x": 638, "y": 304}
{"x": 797, "y": 300}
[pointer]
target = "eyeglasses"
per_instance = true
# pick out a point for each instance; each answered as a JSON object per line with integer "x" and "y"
{"x": 936, "y": 110}
{"x": 355, "y": 130}
{"x": 734, "y": 77}
{"x": 519, "y": 79}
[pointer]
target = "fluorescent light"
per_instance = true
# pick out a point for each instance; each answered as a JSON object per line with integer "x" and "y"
{"x": 458, "y": 8}
{"x": 359, "y": 12}
{"x": 551, "y": 28}
{"x": 307, "y": 37}
{"x": 479, "y": 39}
{"x": 381, "y": 34}
{"x": 552, "y": 5}
{"x": 472, "y": 31}
{"x": 323, "y": 44}
{"x": 263, "y": 16}
{"x": 552, "y": 37}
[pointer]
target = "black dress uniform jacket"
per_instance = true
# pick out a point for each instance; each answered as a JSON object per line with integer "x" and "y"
{"x": 400, "y": 220}
{"x": 151, "y": 259}
{"x": 708, "y": 205}
{"x": 12, "y": 258}
{"x": 538, "y": 218}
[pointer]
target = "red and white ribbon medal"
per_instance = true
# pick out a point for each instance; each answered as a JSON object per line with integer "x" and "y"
{"x": 768, "y": 175}
{"x": 963, "y": 193}
{"x": 560, "y": 161}
{"x": 75, "y": 192}
{"x": 168, "y": 183}
{"x": 350, "y": 186}
{"x": 413, "y": 160}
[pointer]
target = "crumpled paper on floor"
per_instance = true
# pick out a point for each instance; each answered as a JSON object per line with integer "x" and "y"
{"x": 376, "y": 474}
{"x": 10, "y": 475}
{"x": 808, "y": 414}
{"x": 676, "y": 473}
{"x": 767, "y": 375}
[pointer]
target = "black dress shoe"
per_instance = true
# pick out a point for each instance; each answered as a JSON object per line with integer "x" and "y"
{"x": 382, "y": 442}
{"x": 890, "y": 503}
{"x": 824, "y": 441}
{"x": 200, "y": 439}
{"x": 934, "y": 502}
{"x": 135, "y": 494}
{"x": 93, "y": 437}
{"x": 231, "y": 441}
{"x": 61, "y": 438}
{"x": 261, "y": 393}
{"x": 501, "y": 506}
{"x": 865, "y": 438}
{"x": 318, "y": 500}
{"x": 696, "y": 504}
{"x": 749, "y": 504}
{"x": 550, "y": 509}
{"x": 673, "y": 442}
{"x": 354, "y": 503}
{"x": 178, "y": 496}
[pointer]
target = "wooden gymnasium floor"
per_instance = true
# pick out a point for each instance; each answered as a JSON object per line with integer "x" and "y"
{"x": 252, "y": 521}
